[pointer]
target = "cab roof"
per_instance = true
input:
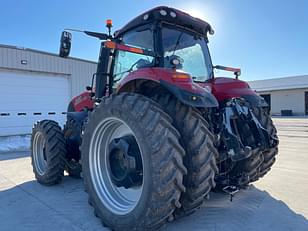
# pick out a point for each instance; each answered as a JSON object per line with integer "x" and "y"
{"x": 168, "y": 15}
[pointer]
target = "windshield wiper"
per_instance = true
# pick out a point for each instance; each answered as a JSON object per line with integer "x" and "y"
{"x": 177, "y": 42}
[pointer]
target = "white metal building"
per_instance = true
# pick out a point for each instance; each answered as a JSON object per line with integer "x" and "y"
{"x": 288, "y": 93}
{"x": 36, "y": 85}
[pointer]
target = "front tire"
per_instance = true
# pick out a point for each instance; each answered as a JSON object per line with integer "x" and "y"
{"x": 151, "y": 200}
{"x": 48, "y": 152}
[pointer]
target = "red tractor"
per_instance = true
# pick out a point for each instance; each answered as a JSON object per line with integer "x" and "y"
{"x": 156, "y": 131}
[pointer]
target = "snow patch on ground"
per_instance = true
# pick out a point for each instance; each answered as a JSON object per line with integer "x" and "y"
{"x": 15, "y": 143}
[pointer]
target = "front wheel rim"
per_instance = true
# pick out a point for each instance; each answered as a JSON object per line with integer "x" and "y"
{"x": 39, "y": 153}
{"x": 118, "y": 200}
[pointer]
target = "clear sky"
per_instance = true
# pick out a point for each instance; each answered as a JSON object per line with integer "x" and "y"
{"x": 266, "y": 38}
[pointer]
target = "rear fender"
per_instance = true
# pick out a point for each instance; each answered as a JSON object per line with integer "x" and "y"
{"x": 225, "y": 89}
{"x": 200, "y": 98}
{"x": 178, "y": 84}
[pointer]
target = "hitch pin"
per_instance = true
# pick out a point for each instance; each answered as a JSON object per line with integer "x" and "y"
{"x": 231, "y": 190}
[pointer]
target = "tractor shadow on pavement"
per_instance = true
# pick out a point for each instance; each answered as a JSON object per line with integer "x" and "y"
{"x": 31, "y": 206}
{"x": 251, "y": 209}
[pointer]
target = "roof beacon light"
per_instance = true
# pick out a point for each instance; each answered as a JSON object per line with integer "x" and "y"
{"x": 109, "y": 25}
{"x": 163, "y": 12}
{"x": 173, "y": 14}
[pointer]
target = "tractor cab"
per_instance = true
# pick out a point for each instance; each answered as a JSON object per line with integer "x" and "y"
{"x": 162, "y": 46}
{"x": 164, "y": 43}
{"x": 176, "y": 40}
{"x": 177, "y": 49}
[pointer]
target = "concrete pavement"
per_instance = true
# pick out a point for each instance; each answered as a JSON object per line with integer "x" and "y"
{"x": 277, "y": 202}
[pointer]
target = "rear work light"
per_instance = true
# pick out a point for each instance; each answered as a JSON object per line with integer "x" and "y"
{"x": 163, "y": 12}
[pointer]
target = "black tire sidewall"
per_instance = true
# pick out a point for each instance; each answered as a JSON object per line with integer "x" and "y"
{"x": 48, "y": 177}
{"x": 140, "y": 210}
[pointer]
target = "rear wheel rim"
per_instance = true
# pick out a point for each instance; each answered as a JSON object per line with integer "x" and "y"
{"x": 118, "y": 200}
{"x": 39, "y": 153}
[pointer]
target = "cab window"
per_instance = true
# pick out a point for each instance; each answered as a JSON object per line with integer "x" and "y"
{"x": 192, "y": 50}
{"x": 127, "y": 62}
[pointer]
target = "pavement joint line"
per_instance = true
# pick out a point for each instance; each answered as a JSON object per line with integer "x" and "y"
{"x": 58, "y": 213}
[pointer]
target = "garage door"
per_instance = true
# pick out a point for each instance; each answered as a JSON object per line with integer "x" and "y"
{"x": 26, "y": 98}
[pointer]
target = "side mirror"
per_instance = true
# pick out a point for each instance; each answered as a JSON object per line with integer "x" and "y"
{"x": 65, "y": 44}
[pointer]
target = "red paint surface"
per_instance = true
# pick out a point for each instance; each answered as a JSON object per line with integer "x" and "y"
{"x": 82, "y": 101}
{"x": 226, "y": 88}
{"x": 157, "y": 74}
{"x": 222, "y": 88}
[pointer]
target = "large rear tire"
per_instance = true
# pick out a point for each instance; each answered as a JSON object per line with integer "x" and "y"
{"x": 200, "y": 159}
{"x": 151, "y": 201}
{"x": 269, "y": 155}
{"x": 48, "y": 152}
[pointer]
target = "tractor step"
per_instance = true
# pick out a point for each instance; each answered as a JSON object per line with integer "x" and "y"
{"x": 231, "y": 190}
